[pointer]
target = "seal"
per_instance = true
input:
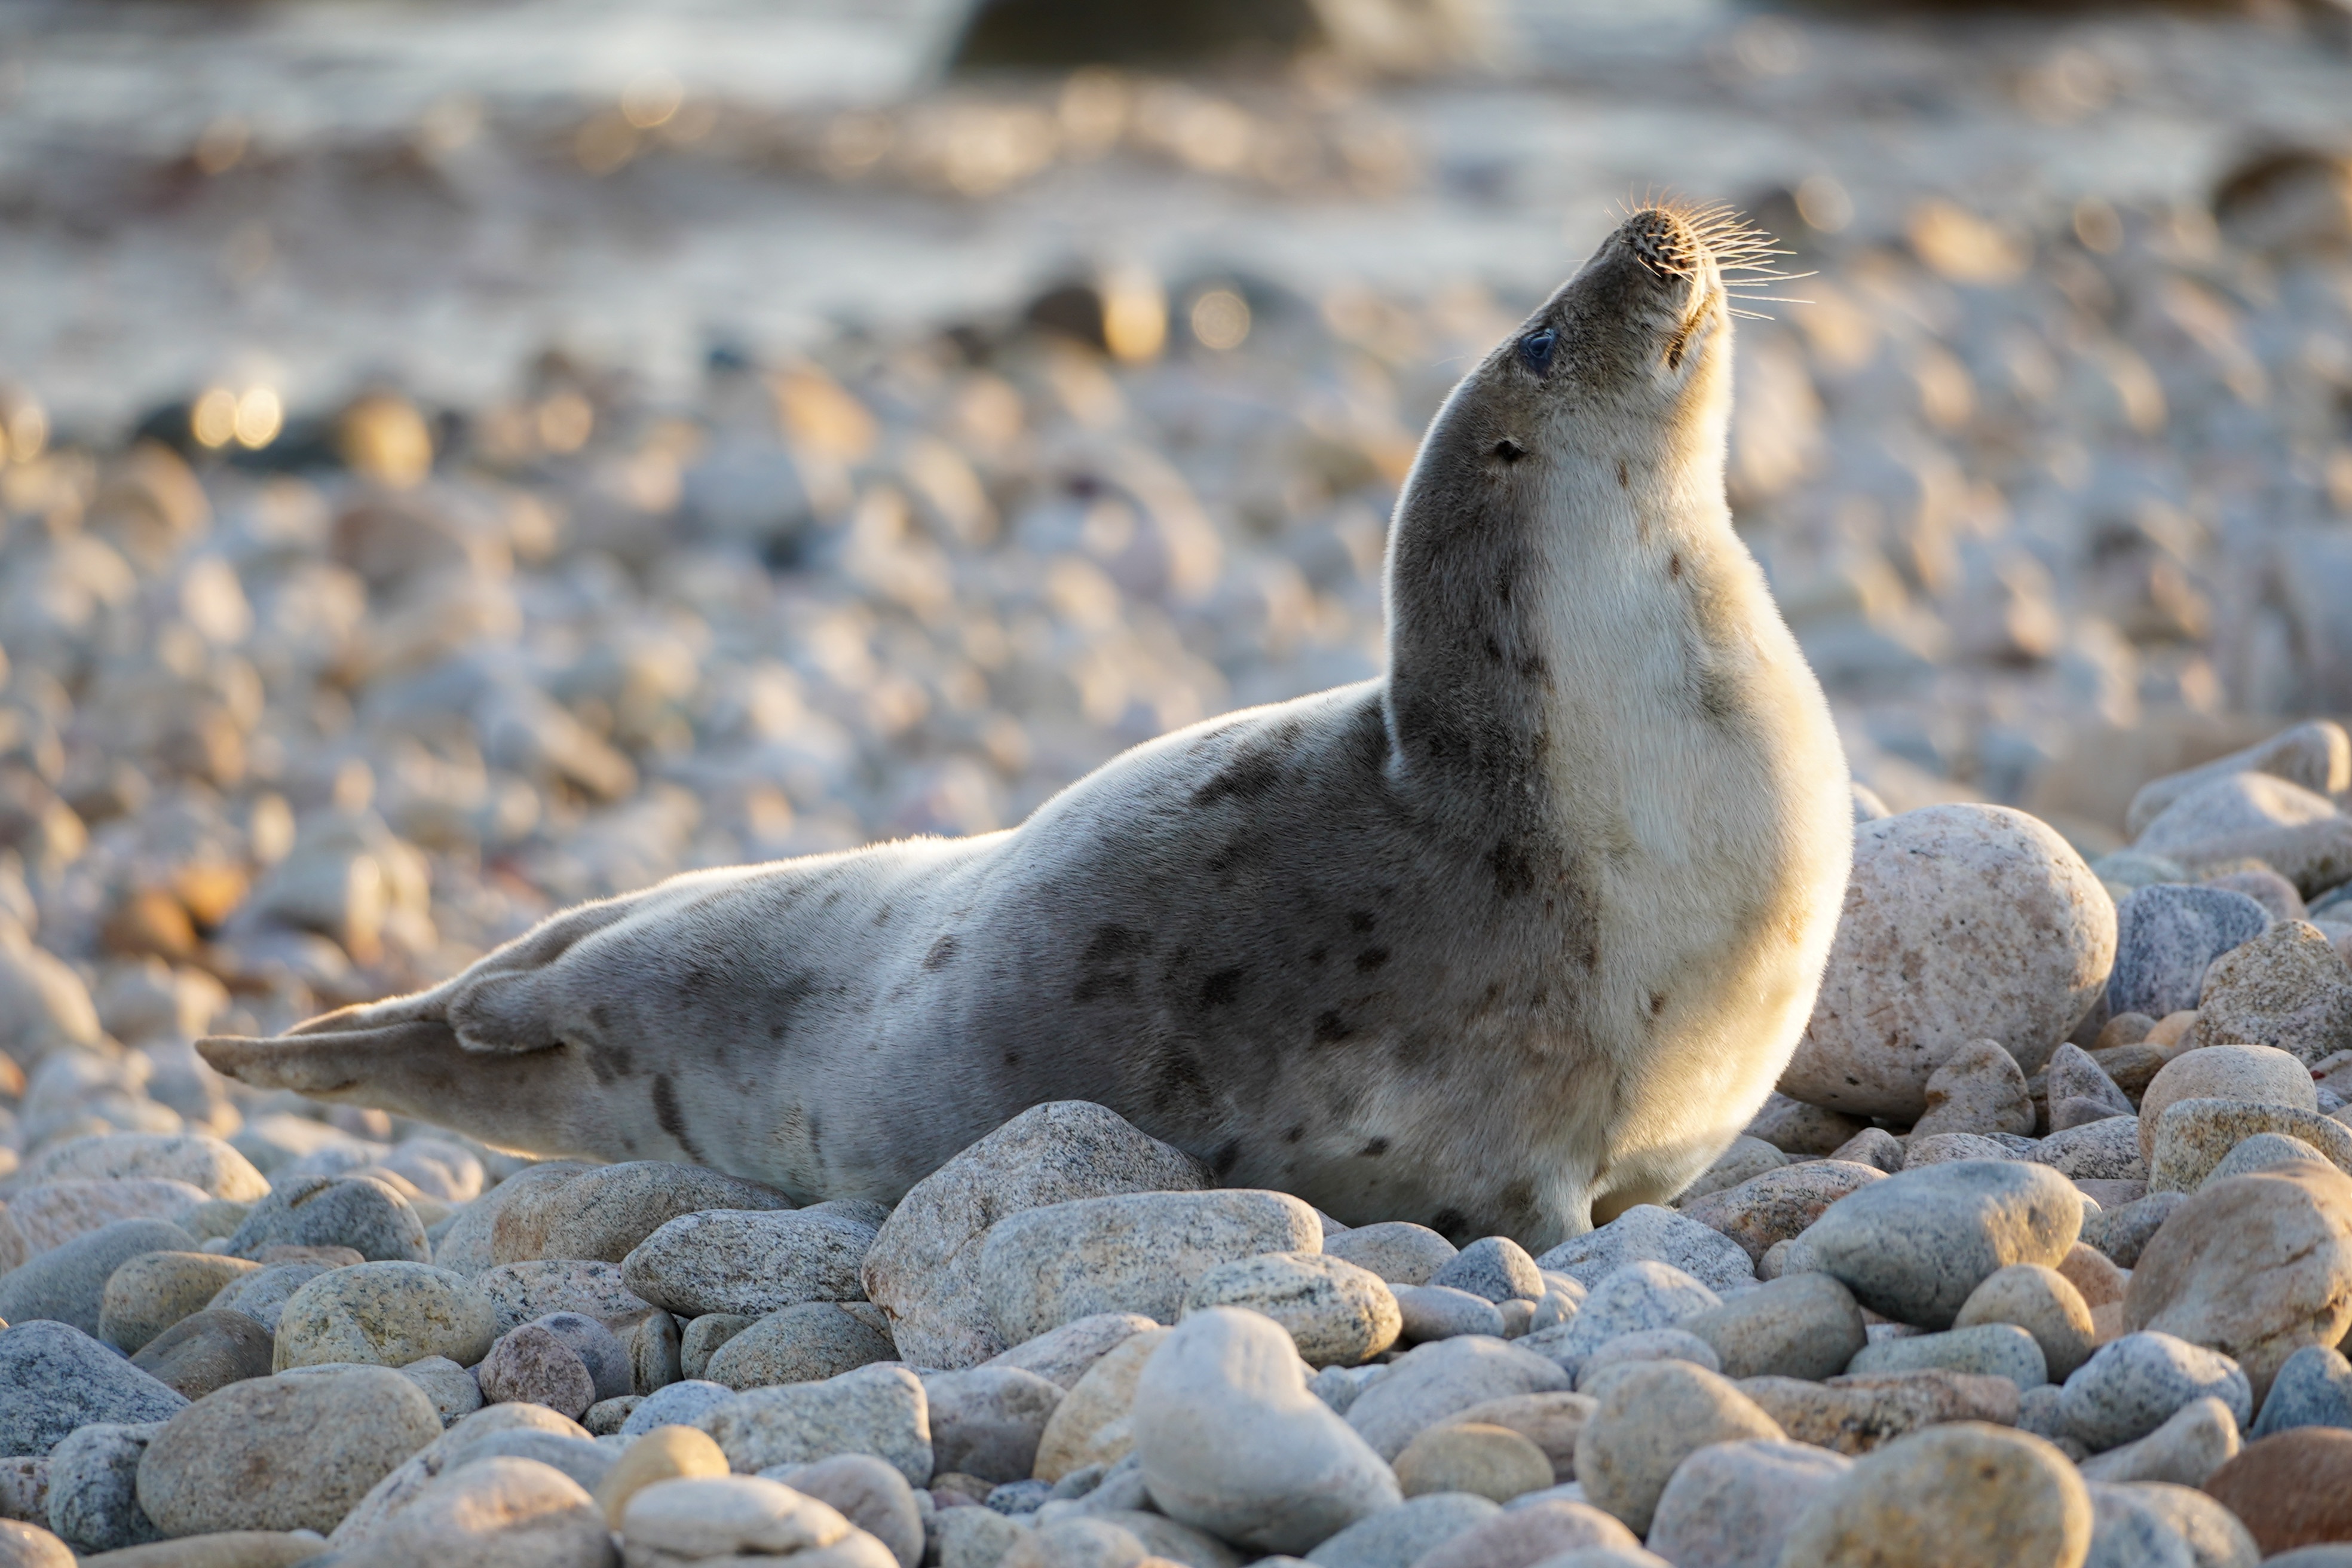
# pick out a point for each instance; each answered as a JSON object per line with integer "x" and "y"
{"x": 1505, "y": 942}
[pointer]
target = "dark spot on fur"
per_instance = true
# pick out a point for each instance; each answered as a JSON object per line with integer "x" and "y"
{"x": 1012, "y": 1059}
{"x": 1535, "y": 668}
{"x": 1657, "y": 1002}
{"x": 601, "y": 1015}
{"x": 1226, "y": 1155}
{"x": 1177, "y": 1080}
{"x": 1519, "y": 1198}
{"x": 1374, "y": 1148}
{"x": 1331, "y": 1028}
{"x": 1371, "y": 958}
{"x": 1493, "y": 649}
{"x": 1675, "y": 564}
{"x": 1514, "y": 869}
{"x": 1221, "y": 989}
{"x": 1107, "y": 964}
{"x": 1317, "y": 954}
{"x": 1361, "y": 920}
{"x": 1623, "y": 479}
{"x": 1447, "y": 1223}
{"x": 1718, "y": 695}
{"x": 1256, "y": 770}
{"x": 833, "y": 898}
{"x": 608, "y": 1062}
{"x": 882, "y": 916}
{"x": 1295, "y": 1135}
{"x": 672, "y": 1121}
{"x": 1510, "y": 451}
{"x": 942, "y": 951}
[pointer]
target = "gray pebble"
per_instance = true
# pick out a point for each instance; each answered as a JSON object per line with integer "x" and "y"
{"x": 1647, "y": 1344}
{"x": 1441, "y": 1312}
{"x": 205, "y": 1350}
{"x": 1645, "y": 1231}
{"x": 1431, "y": 1381}
{"x": 358, "y": 1211}
{"x": 753, "y": 1262}
{"x": 803, "y": 1343}
{"x": 607, "y": 1358}
{"x": 2313, "y": 1388}
{"x": 2262, "y": 1151}
{"x": 1641, "y": 1295}
{"x": 985, "y": 1421}
{"x": 67, "y": 1284}
{"x": 679, "y": 1404}
{"x": 1800, "y": 1325}
{"x": 54, "y": 1378}
{"x": 94, "y": 1488}
{"x": 877, "y": 1410}
{"x": 451, "y": 1388}
{"x": 2127, "y": 1533}
{"x": 2165, "y": 936}
{"x": 1731, "y": 1505}
{"x": 1399, "y": 1536}
{"x": 2124, "y": 1233}
{"x": 2132, "y": 1385}
{"x": 702, "y": 1339}
{"x": 1496, "y": 1268}
{"x": 873, "y": 1496}
{"x": 2107, "y": 1150}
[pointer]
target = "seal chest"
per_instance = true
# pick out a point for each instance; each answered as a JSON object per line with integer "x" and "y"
{"x": 1515, "y": 936}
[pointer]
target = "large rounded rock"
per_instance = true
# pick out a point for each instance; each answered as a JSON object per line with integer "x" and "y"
{"x": 605, "y": 1212}
{"x": 1137, "y": 1252}
{"x": 1961, "y": 923}
{"x": 2314, "y": 1388}
{"x": 1858, "y": 1414}
{"x": 55, "y": 1378}
{"x": 385, "y": 1314}
{"x": 754, "y": 1263}
{"x": 2315, "y": 755}
{"x": 1398, "y": 1537}
{"x": 1967, "y": 1492}
{"x": 2195, "y": 1136}
{"x": 1231, "y": 1441}
{"x": 530, "y": 1365}
{"x": 987, "y": 1421}
{"x": 55, "y": 1213}
{"x": 262, "y": 1295}
{"x": 2296, "y": 831}
{"x": 522, "y": 1292}
{"x": 93, "y": 1500}
{"x": 1399, "y": 1251}
{"x": 1634, "y": 1300}
{"x": 1651, "y": 1416}
{"x": 924, "y": 1267}
{"x": 29, "y": 1546}
{"x": 2255, "y": 1267}
{"x": 734, "y": 1519}
{"x": 2046, "y": 1304}
{"x": 1914, "y": 1248}
{"x": 1093, "y": 1425}
{"x": 2292, "y": 1489}
{"x": 282, "y": 1453}
{"x": 67, "y": 1284}
{"x": 1337, "y": 1314}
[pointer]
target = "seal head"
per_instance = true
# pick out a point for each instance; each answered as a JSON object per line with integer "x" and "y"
{"x": 1505, "y": 940}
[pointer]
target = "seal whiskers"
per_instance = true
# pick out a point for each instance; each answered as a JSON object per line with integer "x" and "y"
{"x": 1515, "y": 936}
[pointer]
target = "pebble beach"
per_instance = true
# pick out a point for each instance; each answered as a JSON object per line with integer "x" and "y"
{"x": 325, "y": 670}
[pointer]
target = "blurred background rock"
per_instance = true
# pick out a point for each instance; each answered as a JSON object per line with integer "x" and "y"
{"x": 457, "y": 460}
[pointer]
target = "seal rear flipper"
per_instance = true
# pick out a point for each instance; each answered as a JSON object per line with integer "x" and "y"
{"x": 335, "y": 1057}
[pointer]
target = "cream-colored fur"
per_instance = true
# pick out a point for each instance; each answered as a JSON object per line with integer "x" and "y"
{"x": 1511, "y": 939}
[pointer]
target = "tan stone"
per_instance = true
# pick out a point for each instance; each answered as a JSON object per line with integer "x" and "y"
{"x": 1090, "y": 1425}
{"x": 1549, "y": 1421}
{"x": 1492, "y": 1462}
{"x": 1858, "y": 1414}
{"x": 2260, "y": 1074}
{"x": 2094, "y": 1274}
{"x": 156, "y": 1289}
{"x": 663, "y": 1453}
{"x": 1650, "y": 1418}
{"x": 2046, "y": 1304}
{"x": 2288, "y": 987}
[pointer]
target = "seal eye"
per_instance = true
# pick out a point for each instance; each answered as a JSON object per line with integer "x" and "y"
{"x": 1536, "y": 349}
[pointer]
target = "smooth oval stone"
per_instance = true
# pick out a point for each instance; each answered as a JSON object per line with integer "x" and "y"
{"x": 1426, "y": 1312}
{"x": 1495, "y": 1268}
{"x": 262, "y": 1295}
{"x": 1651, "y": 1416}
{"x": 804, "y": 1343}
{"x": 2313, "y": 1388}
{"x": 987, "y": 1421}
{"x": 198, "y": 1159}
{"x": 1992, "y": 1349}
{"x": 1780, "y": 1204}
{"x": 1647, "y": 1233}
{"x": 385, "y": 1314}
{"x": 1915, "y": 1246}
{"x": 877, "y": 1410}
{"x": 1399, "y": 1537}
{"x": 2132, "y": 1385}
{"x": 1398, "y": 1251}
{"x": 498, "y": 1510}
{"x": 153, "y": 1291}
{"x": 2194, "y": 1441}
{"x": 751, "y": 1262}
{"x": 532, "y": 1365}
{"x": 93, "y": 1502}
{"x": 679, "y": 1404}
{"x": 2258, "y": 1075}
{"x": 1799, "y": 1325}
{"x": 2046, "y": 1304}
{"x": 1731, "y": 1505}
{"x": 1337, "y": 1313}
{"x": 1431, "y": 1381}
{"x": 207, "y": 1350}
{"x": 1231, "y": 1442}
{"x": 2285, "y": 988}
{"x": 1472, "y": 1456}
{"x": 67, "y": 1283}
{"x": 2293, "y": 1488}
{"x": 283, "y": 1453}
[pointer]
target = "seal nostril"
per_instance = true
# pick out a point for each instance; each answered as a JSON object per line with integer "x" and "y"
{"x": 1509, "y": 451}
